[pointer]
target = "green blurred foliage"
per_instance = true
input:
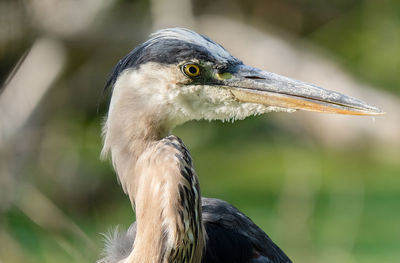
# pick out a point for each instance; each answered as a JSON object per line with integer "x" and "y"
{"x": 367, "y": 40}
{"x": 317, "y": 203}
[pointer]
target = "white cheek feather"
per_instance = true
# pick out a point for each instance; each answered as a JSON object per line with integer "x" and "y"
{"x": 150, "y": 85}
{"x": 218, "y": 103}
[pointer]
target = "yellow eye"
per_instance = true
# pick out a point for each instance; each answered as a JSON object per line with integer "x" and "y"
{"x": 191, "y": 70}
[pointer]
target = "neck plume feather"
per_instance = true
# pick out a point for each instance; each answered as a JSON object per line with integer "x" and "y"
{"x": 168, "y": 207}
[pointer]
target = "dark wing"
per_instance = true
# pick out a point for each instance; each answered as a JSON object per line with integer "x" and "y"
{"x": 233, "y": 237}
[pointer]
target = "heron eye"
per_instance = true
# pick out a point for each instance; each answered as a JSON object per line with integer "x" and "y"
{"x": 191, "y": 70}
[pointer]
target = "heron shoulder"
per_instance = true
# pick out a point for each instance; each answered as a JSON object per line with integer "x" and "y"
{"x": 224, "y": 221}
{"x": 226, "y": 227}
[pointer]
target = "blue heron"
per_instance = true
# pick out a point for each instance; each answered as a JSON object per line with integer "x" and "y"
{"x": 174, "y": 77}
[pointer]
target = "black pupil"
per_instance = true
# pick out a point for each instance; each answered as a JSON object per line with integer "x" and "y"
{"x": 192, "y": 70}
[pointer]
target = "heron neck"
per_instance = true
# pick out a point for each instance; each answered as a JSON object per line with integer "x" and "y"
{"x": 168, "y": 205}
{"x": 162, "y": 188}
{"x": 126, "y": 135}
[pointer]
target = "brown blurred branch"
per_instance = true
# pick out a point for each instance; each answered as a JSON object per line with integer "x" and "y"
{"x": 32, "y": 79}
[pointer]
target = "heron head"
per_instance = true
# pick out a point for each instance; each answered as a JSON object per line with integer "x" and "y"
{"x": 180, "y": 75}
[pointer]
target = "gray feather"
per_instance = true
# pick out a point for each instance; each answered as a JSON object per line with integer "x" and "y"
{"x": 118, "y": 244}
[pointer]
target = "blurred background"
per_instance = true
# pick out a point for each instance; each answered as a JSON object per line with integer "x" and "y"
{"x": 326, "y": 188}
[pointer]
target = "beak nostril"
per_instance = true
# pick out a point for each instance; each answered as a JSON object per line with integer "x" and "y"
{"x": 253, "y": 77}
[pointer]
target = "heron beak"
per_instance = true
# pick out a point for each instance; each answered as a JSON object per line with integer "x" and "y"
{"x": 249, "y": 84}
